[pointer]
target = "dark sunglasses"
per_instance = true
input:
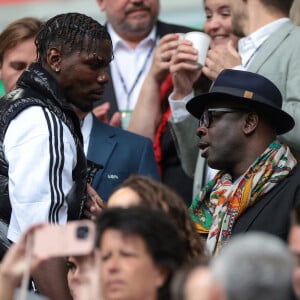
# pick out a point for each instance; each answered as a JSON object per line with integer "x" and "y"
{"x": 208, "y": 114}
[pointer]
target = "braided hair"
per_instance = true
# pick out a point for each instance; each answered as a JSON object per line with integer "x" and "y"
{"x": 70, "y": 32}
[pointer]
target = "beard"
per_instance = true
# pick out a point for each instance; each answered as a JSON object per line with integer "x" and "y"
{"x": 139, "y": 25}
{"x": 86, "y": 107}
{"x": 238, "y": 20}
{"x": 139, "y": 28}
{"x": 82, "y": 108}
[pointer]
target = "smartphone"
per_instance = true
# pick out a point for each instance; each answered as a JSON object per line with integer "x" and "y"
{"x": 73, "y": 238}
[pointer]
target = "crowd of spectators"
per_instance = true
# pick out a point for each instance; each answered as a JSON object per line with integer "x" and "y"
{"x": 188, "y": 174}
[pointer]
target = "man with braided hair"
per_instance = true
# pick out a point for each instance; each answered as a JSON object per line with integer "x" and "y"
{"x": 42, "y": 163}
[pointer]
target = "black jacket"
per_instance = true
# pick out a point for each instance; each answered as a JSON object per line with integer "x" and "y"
{"x": 36, "y": 87}
{"x": 271, "y": 214}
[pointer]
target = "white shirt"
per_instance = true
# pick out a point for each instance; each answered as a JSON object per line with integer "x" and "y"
{"x": 40, "y": 161}
{"x": 250, "y": 45}
{"x": 86, "y": 128}
{"x": 126, "y": 66}
{"x": 179, "y": 112}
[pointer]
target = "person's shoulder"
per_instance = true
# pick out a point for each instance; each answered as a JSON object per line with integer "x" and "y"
{"x": 295, "y": 173}
{"x": 30, "y": 121}
{"x": 295, "y": 30}
{"x": 165, "y": 28}
{"x": 297, "y": 170}
{"x": 284, "y": 38}
{"x": 289, "y": 27}
{"x": 27, "y": 116}
{"x": 130, "y": 136}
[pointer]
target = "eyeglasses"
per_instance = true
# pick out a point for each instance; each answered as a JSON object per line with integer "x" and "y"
{"x": 208, "y": 114}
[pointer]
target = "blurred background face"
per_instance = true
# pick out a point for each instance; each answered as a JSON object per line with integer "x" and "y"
{"x": 198, "y": 285}
{"x": 127, "y": 268}
{"x": 131, "y": 16}
{"x": 123, "y": 197}
{"x": 294, "y": 245}
{"x": 15, "y": 61}
{"x": 218, "y": 22}
{"x": 239, "y": 17}
{"x": 83, "y": 276}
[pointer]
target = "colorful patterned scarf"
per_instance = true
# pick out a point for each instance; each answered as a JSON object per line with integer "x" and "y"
{"x": 220, "y": 203}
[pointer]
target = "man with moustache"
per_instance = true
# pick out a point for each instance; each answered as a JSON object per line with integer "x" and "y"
{"x": 135, "y": 30}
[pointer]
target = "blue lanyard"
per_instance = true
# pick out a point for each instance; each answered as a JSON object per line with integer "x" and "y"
{"x": 129, "y": 92}
{"x": 252, "y": 55}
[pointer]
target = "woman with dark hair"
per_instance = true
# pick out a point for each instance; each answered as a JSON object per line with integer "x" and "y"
{"x": 137, "y": 252}
{"x": 147, "y": 193}
{"x": 140, "y": 250}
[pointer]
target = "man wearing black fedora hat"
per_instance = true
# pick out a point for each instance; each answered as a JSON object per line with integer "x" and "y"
{"x": 267, "y": 47}
{"x": 258, "y": 182}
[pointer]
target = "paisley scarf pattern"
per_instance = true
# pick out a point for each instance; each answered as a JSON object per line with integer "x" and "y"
{"x": 220, "y": 203}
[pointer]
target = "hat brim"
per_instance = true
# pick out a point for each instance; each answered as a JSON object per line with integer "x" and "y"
{"x": 279, "y": 118}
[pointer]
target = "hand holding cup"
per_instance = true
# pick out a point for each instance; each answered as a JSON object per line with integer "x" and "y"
{"x": 201, "y": 42}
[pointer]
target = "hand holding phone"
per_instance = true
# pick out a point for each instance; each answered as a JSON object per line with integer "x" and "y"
{"x": 73, "y": 238}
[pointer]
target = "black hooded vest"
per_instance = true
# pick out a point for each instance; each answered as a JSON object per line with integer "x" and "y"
{"x": 37, "y": 88}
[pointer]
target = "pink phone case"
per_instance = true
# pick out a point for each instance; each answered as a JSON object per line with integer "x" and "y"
{"x": 73, "y": 238}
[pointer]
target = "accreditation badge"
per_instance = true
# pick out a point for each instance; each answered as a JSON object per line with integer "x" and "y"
{"x": 125, "y": 118}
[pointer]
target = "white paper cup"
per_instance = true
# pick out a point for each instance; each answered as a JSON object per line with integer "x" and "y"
{"x": 201, "y": 42}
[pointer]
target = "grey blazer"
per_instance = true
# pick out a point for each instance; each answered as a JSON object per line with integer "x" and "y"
{"x": 279, "y": 60}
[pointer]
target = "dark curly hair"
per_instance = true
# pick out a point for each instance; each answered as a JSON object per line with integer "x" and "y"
{"x": 157, "y": 231}
{"x": 155, "y": 195}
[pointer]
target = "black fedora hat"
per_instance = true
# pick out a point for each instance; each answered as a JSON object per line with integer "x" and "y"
{"x": 246, "y": 89}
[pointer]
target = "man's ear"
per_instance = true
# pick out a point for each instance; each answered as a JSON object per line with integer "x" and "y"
{"x": 54, "y": 59}
{"x": 102, "y": 4}
{"x": 251, "y": 123}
